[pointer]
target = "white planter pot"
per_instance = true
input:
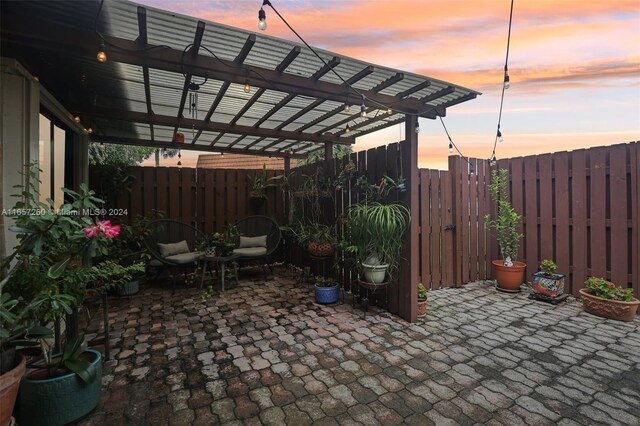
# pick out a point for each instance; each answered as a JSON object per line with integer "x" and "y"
{"x": 374, "y": 273}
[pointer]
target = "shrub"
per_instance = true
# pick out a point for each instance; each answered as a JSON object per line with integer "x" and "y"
{"x": 600, "y": 287}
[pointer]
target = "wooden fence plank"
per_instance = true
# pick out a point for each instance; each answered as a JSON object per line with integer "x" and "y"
{"x": 531, "y": 215}
{"x": 634, "y": 168}
{"x": 545, "y": 203}
{"x": 435, "y": 228}
{"x": 598, "y": 211}
{"x": 473, "y": 225}
{"x": 448, "y": 236}
{"x": 579, "y": 230}
{"x": 482, "y": 205}
{"x": 465, "y": 184}
{"x": 619, "y": 214}
{"x": 174, "y": 206}
{"x": 561, "y": 215}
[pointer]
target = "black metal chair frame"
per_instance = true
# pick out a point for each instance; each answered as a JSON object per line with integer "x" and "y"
{"x": 166, "y": 231}
{"x": 253, "y": 226}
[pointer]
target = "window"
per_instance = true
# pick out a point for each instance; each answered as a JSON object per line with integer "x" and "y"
{"x": 51, "y": 160}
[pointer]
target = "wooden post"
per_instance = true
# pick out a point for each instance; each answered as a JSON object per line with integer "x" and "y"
{"x": 410, "y": 262}
{"x": 287, "y": 169}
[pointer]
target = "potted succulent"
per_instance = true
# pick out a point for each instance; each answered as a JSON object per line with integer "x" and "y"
{"x": 327, "y": 290}
{"x": 509, "y": 272}
{"x": 546, "y": 281}
{"x": 422, "y": 300}
{"x": 377, "y": 231}
{"x": 604, "y": 299}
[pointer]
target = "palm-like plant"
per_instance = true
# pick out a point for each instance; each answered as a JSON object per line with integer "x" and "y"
{"x": 377, "y": 231}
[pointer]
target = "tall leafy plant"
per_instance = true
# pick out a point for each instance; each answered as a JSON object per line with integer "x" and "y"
{"x": 377, "y": 230}
{"x": 507, "y": 219}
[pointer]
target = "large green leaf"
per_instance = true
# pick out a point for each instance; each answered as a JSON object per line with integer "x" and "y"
{"x": 58, "y": 269}
{"x": 84, "y": 369}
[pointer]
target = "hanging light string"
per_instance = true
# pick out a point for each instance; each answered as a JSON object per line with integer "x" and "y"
{"x": 505, "y": 85}
{"x": 454, "y": 146}
{"x": 356, "y": 91}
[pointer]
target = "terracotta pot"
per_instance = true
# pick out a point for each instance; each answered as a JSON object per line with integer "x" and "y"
{"x": 606, "y": 308}
{"x": 9, "y": 384}
{"x": 320, "y": 249}
{"x": 509, "y": 278}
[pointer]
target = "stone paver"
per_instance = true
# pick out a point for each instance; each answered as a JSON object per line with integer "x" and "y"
{"x": 264, "y": 353}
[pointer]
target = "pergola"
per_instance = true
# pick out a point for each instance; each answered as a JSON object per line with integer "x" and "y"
{"x": 143, "y": 94}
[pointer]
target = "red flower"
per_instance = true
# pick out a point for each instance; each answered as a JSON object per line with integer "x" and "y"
{"x": 92, "y": 231}
{"x": 111, "y": 231}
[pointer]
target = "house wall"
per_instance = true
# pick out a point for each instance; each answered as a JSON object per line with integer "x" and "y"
{"x": 21, "y": 98}
{"x": 19, "y": 110}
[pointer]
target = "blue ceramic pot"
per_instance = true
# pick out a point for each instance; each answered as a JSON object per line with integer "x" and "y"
{"x": 326, "y": 295}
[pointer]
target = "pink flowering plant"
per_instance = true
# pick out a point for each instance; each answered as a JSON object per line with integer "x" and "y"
{"x": 62, "y": 250}
{"x": 600, "y": 287}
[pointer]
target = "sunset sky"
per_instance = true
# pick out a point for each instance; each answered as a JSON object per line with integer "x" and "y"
{"x": 574, "y": 65}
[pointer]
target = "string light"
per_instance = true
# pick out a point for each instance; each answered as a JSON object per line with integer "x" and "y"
{"x": 247, "y": 86}
{"x": 101, "y": 55}
{"x": 507, "y": 84}
{"x": 417, "y": 129}
{"x": 76, "y": 118}
{"x": 347, "y": 129}
{"x": 262, "y": 20}
{"x": 102, "y": 146}
{"x": 89, "y": 130}
{"x": 450, "y": 147}
{"x": 363, "y": 111}
{"x": 389, "y": 110}
{"x": 499, "y": 135}
{"x": 36, "y": 77}
{"x": 347, "y": 107}
{"x": 492, "y": 162}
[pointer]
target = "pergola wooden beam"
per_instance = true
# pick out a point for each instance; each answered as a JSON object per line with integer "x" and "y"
{"x": 216, "y": 139}
{"x": 414, "y": 89}
{"x": 389, "y": 82}
{"x": 169, "y": 121}
{"x": 235, "y": 142}
{"x": 280, "y": 68}
{"x": 334, "y": 62}
{"x": 244, "y": 52}
{"x": 435, "y": 95}
{"x": 185, "y": 146}
{"x": 274, "y": 143}
{"x": 142, "y": 41}
{"x": 291, "y": 56}
{"x": 193, "y": 52}
{"x": 257, "y": 141}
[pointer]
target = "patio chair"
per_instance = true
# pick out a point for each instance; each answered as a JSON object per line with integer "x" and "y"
{"x": 259, "y": 238}
{"x": 172, "y": 244}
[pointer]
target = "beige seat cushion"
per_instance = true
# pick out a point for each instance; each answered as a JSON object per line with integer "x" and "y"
{"x": 171, "y": 249}
{"x": 184, "y": 258}
{"x": 248, "y": 242}
{"x": 251, "y": 251}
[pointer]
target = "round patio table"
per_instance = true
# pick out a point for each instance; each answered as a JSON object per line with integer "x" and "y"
{"x": 219, "y": 264}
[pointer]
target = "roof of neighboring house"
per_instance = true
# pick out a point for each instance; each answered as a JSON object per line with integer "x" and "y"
{"x": 240, "y": 161}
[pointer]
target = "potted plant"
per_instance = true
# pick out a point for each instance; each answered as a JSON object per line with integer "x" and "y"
{"x": 604, "y": 299}
{"x": 546, "y": 281}
{"x": 16, "y": 329}
{"x": 422, "y": 300}
{"x": 57, "y": 260}
{"x": 327, "y": 290}
{"x": 377, "y": 233}
{"x": 509, "y": 272}
{"x": 61, "y": 388}
{"x": 259, "y": 182}
{"x": 318, "y": 238}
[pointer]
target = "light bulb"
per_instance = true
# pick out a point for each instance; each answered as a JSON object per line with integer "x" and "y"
{"x": 102, "y": 145}
{"x": 500, "y": 138}
{"x": 507, "y": 84}
{"x": 247, "y": 86}
{"x": 262, "y": 20}
{"x": 417, "y": 128}
{"x": 450, "y": 147}
{"x": 89, "y": 130}
{"x": 347, "y": 107}
{"x": 36, "y": 77}
{"x": 347, "y": 129}
{"x": 76, "y": 118}
{"x": 101, "y": 55}
{"x": 389, "y": 110}
{"x": 363, "y": 111}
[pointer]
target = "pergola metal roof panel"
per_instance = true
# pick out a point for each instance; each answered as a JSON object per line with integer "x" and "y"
{"x": 294, "y": 101}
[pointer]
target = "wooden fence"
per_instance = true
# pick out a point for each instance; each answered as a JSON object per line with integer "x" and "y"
{"x": 579, "y": 208}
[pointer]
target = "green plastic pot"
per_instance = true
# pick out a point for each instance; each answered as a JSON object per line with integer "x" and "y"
{"x": 59, "y": 400}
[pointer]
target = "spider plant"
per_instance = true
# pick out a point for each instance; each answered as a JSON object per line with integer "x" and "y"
{"x": 377, "y": 231}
